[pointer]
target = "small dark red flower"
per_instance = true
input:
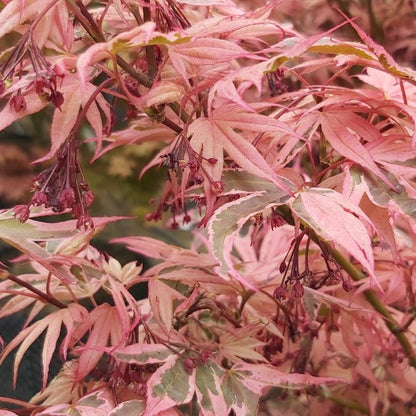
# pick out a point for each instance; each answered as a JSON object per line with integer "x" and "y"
{"x": 21, "y": 212}
{"x": 18, "y": 103}
{"x": 85, "y": 222}
{"x": 56, "y": 98}
{"x": 218, "y": 186}
{"x": 67, "y": 198}
{"x": 189, "y": 364}
{"x": 280, "y": 293}
{"x": 39, "y": 198}
{"x": 298, "y": 290}
{"x": 276, "y": 220}
{"x": 88, "y": 198}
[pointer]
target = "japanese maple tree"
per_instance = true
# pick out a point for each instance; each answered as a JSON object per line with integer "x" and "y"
{"x": 291, "y": 161}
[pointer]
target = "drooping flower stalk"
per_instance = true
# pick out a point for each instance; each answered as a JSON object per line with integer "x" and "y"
{"x": 63, "y": 187}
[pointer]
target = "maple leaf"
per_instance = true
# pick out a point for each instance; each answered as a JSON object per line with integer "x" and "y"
{"x": 241, "y": 343}
{"x": 162, "y": 298}
{"x": 98, "y": 403}
{"x": 129, "y": 408}
{"x": 105, "y": 327}
{"x": 208, "y": 389}
{"x": 139, "y": 132}
{"x": 172, "y": 255}
{"x": 33, "y": 105}
{"x": 244, "y": 383}
{"x": 142, "y": 353}
{"x": 169, "y": 386}
{"x": 139, "y": 36}
{"x": 336, "y": 219}
{"x": 64, "y": 119}
{"x": 221, "y": 133}
{"x": 383, "y": 56}
{"x": 24, "y": 237}
{"x": 52, "y": 323}
{"x": 227, "y": 221}
{"x": 380, "y": 218}
{"x": 347, "y": 144}
{"x": 13, "y": 14}
{"x": 202, "y": 53}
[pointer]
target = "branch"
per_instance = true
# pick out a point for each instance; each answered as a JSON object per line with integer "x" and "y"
{"x": 44, "y": 296}
{"x": 88, "y": 23}
{"x": 139, "y": 76}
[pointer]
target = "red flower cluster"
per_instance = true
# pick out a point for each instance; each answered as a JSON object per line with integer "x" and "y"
{"x": 62, "y": 187}
{"x": 45, "y": 81}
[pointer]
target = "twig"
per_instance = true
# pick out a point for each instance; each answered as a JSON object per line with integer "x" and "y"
{"x": 47, "y": 298}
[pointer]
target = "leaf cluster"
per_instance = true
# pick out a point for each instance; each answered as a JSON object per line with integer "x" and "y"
{"x": 291, "y": 161}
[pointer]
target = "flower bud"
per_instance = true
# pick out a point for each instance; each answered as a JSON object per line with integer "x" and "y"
{"x": 280, "y": 293}
{"x": 298, "y": 290}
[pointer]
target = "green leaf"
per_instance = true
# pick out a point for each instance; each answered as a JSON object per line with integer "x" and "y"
{"x": 237, "y": 396}
{"x": 327, "y": 45}
{"x": 129, "y": 408}
{"x": 208, "y": 389}
{"x": 169, "y": 386}
{"x": 23, "y": 236}
{"x": 143, "y": 353}
{"x": 230, "y": 218}
{"x": 381, "y": 195}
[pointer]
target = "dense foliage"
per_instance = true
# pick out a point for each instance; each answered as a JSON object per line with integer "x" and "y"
{"x": 291, "y": 161}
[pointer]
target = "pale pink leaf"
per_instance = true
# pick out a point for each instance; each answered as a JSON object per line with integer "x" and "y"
{"x": 171, "y": 254}
{"x": 33, "y": 105}
{"x": 383, "y": 56}
{"x": 203, "y": 52}
{"x": 241, "y": 344}
{"x": 129, "y": 408}
{"x": 104, "y": 50}
{"x": 208, "y": 389}
{"x": 169, "y": 386}
{"x": 25, "y": 338}
{"x": 62, "y": 29}
{"x": 380, "y": 218}
{"x": 64, "y": 119}
{"x": 51, "y": 338}
{"x": 297, "y": 46}
{"x": 77, "y": 322}
{"x": 258, "y": 376}
{"x": 238, "y": 148}
{"x": 161, "y": 298}
{"x": 244, "y": 383}
{"x": 103, "y": 318}
{"x": 227, "y": 221}
{"x": 136, "y": 134}
{"x": 348, "y": 144}
{"x": 339, "y": 221}
{"x": 23, "y": 236}
{"x": 97, "y": 403}
{"x": 142, "y": 353}
{"x": 14, "y": 14}
{"x": 15, "y": 304}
